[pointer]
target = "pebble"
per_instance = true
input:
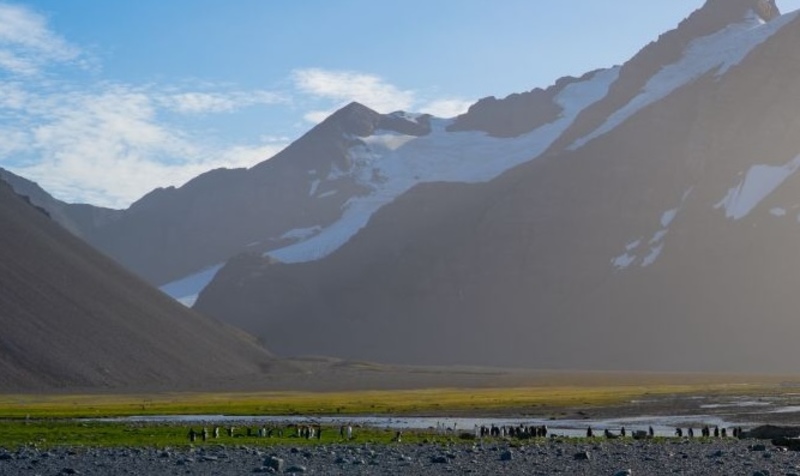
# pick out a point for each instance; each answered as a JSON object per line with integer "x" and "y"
{"x": 612, "y": 458}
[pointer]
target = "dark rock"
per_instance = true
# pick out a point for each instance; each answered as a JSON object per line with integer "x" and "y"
{"x": 758, "y": 447}
{"x": 507, "y": 455}
{"x": 581, "y": 456}
{"x": 296, "y": 469}
{"x": 439, "y": 459}
{"x": 787, "y": 443}
{"x": 769, "y": 432}
{"x": 275, "y": 463}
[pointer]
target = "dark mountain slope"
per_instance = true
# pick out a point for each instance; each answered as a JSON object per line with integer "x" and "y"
{"x": 72, "y": 318}
{"x": 667, "y": 243}
{"x": 77, "y": 218}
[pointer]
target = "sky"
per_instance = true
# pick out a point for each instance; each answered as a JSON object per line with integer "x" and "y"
{"x": 102, "y": 101}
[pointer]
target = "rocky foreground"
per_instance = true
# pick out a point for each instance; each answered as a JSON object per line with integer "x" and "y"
{"x": 575, "y": 457}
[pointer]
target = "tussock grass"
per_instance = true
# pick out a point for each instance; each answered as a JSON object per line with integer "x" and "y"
{"x": 442, "y": 402}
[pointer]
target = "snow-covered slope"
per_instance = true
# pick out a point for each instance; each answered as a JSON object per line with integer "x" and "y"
{"x": 715, "y": 53}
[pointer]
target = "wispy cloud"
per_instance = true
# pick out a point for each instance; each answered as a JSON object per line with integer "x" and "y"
{"x": 108, "y": 143}
{"x": 215, "y": 102}
{"x": 342, "y": 87}
{"x": 112, "y": 145}
{"x": 27, "y": 44}
{"x": 351, "y": 86}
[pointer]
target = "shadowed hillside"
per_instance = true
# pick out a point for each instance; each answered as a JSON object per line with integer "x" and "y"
{"x": 71, "y": 317}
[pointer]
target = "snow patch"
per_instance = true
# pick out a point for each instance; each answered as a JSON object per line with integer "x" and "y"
{"x": 659, "y": 236}
{"x": 186, "y": 290}
{"x": 759, "y": 182}
{"x": 387, "y": 140}
{"x": 656, "y": 242}
{"x": 327, "y": 194}
{"x": 623, "y": 261}
{"x": 668, "y": 216}
{"x": 633, "y": 245}
{"x": 408, "y": 116}
{"x": 301, "y": 233}
{"x": 652, "y": 256}
{"x": 314, "y": 186}
{"x": 778, "y": 212}
{"x": 719, "y": 51}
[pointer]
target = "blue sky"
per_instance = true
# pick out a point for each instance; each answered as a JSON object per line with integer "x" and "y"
{"x": 102, "y": 101}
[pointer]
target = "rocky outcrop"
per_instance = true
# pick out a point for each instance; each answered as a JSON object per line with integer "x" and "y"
{"x": 509, "y": 117}
{"x": 767, "y": 10}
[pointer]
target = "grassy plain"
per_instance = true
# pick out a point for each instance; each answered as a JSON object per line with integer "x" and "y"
{"x": 52, "y": 420}
{"x": 71, "y": 433}
{"x": 481, "y": 401}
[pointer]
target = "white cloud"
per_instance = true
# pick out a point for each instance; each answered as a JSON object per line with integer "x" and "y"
{"x": 342, "y": 87}
{"x": 213, "y": 102}
{"x": 315, "y": 117}
{"x": 12, "y": 141}
{"x": 346, "y": 86}
{"x": 27, "y": 44}
{"x": 112, "y": 145}
{"x": 446, "y": 107}
{"x": 107, "y": 143}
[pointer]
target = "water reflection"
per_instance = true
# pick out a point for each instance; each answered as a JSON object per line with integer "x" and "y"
{"x": 662, "y": 425}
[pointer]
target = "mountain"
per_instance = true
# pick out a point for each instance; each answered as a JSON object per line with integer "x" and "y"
{"x": 640, "y": 217}
{"x": 79, "y": 219}
{"x": 174, "y": 232}
{"x": 74, "y": 319}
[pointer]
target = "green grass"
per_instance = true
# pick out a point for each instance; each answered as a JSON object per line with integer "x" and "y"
{"x": 70, "y": 433}
{"x": 401, "y": 402}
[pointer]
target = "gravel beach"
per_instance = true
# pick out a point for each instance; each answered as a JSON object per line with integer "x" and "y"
{"x": 565, "y": 457}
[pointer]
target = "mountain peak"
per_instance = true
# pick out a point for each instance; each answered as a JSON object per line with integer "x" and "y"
{"x": 725, "y": 12}
{"x": 355, "y": 118}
